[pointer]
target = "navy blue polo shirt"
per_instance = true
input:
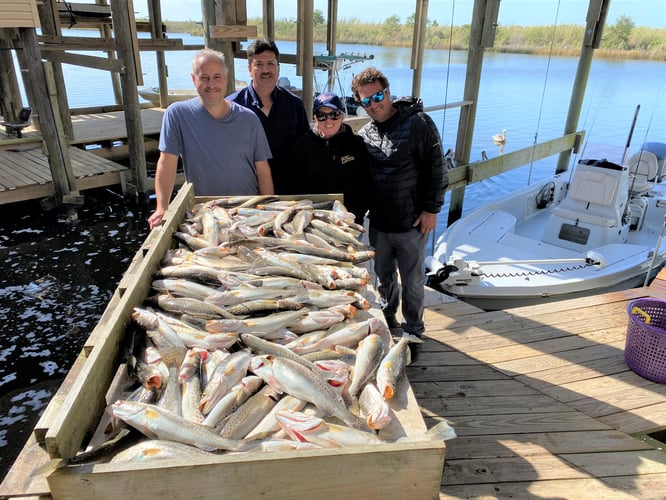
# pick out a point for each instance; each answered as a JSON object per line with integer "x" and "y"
{"x": 286, "y": 121}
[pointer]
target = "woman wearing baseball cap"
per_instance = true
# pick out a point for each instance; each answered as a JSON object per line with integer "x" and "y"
{"x": 330, "y": 158}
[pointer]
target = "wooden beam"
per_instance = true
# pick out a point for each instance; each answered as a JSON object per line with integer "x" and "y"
{"x": 464, "y": 175}
{"x": 103, "y": 63}
{"x": 233, "y": 32}
{"x": 84, "y": 8}
{"x": 106, "y": 44}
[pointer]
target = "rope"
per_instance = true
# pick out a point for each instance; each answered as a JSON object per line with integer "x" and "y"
{"x": 446, "y": 97}
{"x": 537, "y": 273}
{"x": 68, "y": 6}
{"x": 543, "y": 93}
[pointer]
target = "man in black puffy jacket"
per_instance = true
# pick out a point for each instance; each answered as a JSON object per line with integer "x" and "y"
{"x": 409, "y": 181}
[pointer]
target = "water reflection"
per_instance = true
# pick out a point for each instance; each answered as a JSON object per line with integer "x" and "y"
{"x": 55, "y": 281}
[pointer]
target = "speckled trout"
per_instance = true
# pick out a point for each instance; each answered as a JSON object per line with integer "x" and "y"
{"x": 158, "y": 423}
{"x": 291, "y": 378}
{"x": 303, "y": 427}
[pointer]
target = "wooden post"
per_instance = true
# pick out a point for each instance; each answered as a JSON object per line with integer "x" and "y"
{"x": 73, "y": 196}
{"x": 484, "y": 20}
{"x": 50, "y": 24}
{"x": 306, "y": 8}
{"x": 10, "y": 94}
{"x": 59, "y": 162}
{"x": 596, "y": 18}
{"x": 106, "y": 32}
{"x": 418, "y": 44}
{"x": 157, "y": 33}
{"x": 227, "y": 15}
{"x": 123, "y": 17}
{"x": 331, "y": 39}
{"x": 269, "y": 18}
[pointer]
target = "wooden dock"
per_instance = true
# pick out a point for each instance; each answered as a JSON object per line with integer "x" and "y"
{"x": 24, "y": 169}
{"x": 542, "y": 401}
{"x": 26, "y": 175}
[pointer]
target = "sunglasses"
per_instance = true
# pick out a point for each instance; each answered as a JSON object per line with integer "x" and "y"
{"x": 333, "y": 115}
{"x": 376, "y": 97}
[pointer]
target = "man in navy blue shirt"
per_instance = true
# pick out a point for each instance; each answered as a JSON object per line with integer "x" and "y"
{"x": 282, "y": 113}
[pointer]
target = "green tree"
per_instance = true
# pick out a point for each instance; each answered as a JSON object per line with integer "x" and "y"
{"x": 392, "y": 26}
{"x": 318, "y": 17}
{"x": 619, "y": 34}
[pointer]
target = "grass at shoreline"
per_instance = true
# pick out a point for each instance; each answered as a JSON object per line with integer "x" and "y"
{"x": 620, "y": 41}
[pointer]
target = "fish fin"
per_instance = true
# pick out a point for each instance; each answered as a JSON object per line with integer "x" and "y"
{"x": 205, "y": 446}
{"x": 443, "y": 430}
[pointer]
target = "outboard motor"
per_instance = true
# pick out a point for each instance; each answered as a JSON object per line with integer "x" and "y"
{"x": 455, "y": 273}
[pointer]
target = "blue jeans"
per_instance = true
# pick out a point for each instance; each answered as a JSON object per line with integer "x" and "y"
{"x": 403, "y": 253}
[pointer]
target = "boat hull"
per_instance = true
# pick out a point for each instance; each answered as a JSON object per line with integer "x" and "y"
{"x": 529, "y": 253}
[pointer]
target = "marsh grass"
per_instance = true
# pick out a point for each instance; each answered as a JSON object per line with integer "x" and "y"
{"x": 565, "y": 40}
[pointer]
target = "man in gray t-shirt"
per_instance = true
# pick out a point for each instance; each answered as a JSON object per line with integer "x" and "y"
{"x": 223, "y": 145}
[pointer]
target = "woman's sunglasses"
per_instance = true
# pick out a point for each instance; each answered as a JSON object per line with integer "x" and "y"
{"x": 376, "y": 97}
{"x": 333, "y": 115}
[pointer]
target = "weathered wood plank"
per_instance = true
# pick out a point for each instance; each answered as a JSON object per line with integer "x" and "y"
{"x": 556, "y": 346}
{"x": 619, "y": 463}
{"x": 507, "y": 445}
{"x": 574, "y": 360}
{"x": 491, "y": 405}
{"x": 645, "y": 486}
{"x": 468, "y": 388}
{"x": 233, "y": 32}
{"x": 462, "y": 372}
{"x": 639, "y": 420}
{"x": 580, "y": 489}
{"x": 597, "y": 387}
{"x": 518, "y": 423}
{"x": 508, "y": 469}
{"x": 603, "y": 361}
{"x": 616, "y": 400}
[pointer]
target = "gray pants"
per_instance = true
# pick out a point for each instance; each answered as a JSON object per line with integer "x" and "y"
{"x": 404, "y": 253}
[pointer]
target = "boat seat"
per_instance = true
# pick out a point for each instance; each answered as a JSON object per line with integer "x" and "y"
{"x": 22, "y": 122}
{"x": 597, "y": 194}
{"x": 643, "y": 168}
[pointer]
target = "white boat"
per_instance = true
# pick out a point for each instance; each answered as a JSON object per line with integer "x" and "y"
{"x": 152, "y": 94}
{"x": 598, "y": 228}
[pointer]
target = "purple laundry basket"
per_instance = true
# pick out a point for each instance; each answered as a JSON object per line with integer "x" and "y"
{"x": 645, "y": 349}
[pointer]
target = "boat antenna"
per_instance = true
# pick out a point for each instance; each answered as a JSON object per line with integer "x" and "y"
{"x": 448, "y": 69}
{"x": 579, "y": 153}
{"x": 446, "y": 100}
{"x": 543, "y": 93}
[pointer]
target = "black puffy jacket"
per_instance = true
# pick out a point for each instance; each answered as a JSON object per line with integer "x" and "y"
{"x": 338, "y": 164}
{"x": 407, "y": 165}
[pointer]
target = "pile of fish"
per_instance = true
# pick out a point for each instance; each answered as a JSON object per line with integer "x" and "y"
{"x": 259, "y": 337}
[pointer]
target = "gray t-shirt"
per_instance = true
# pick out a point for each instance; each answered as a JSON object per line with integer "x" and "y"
{"x": 218, "y": 155}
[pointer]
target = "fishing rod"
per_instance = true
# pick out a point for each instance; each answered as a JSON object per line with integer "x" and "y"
{"x": 631, "y": 133}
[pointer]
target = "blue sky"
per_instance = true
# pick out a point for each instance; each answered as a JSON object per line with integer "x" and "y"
{"x": 650, "y": 13}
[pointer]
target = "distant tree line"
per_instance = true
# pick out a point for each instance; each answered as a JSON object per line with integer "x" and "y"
{"x": 622, "y": 40}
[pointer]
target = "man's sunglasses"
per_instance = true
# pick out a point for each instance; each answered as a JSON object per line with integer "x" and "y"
{"x": 376, "y": 97}
{"x": 333, "y": 115}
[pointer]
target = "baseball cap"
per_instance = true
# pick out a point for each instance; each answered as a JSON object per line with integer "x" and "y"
{"x": 328, "y": 100}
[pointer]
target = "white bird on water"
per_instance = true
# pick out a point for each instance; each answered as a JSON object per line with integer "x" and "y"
{"x": 500, "y": 138}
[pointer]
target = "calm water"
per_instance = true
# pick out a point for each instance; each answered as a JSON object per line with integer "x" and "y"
{"x": 55, "y": 279}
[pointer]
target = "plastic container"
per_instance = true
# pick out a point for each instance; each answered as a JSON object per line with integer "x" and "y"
{"x": 645, "y": 348}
